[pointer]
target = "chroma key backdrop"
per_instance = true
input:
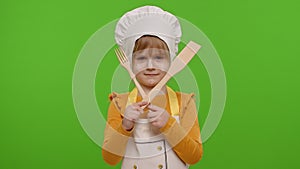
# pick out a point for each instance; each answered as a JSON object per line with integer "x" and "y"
{"x": 58, "y": 66}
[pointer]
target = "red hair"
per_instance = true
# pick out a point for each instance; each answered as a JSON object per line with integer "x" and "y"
{"x": 150, "y": 41}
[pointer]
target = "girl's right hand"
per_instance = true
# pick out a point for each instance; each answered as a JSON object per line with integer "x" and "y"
{"x": 131, "y": 114}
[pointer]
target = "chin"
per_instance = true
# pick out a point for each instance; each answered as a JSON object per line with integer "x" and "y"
{"x": 151, "y": 83}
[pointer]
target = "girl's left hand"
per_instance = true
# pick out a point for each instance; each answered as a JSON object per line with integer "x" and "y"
{"x": 157, "y": 116}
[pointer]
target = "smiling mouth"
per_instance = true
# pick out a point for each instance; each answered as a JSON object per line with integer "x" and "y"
{"x": 151, "y": 74}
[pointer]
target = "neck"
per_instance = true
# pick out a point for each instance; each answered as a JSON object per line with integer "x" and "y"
{"x": 147, "y": 90}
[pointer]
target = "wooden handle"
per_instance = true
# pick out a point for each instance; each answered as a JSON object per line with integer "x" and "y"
{"x": 137, "y": 84}
{"x": 158, "y": 87}
{"x": 177, "y": 65}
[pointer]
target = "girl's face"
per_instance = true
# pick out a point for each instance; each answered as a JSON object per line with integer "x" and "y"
{"x": 150, "y": 65}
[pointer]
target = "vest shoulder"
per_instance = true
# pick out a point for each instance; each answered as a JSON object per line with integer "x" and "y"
{"x": 119, "y": 99}
{"x": 115, "y": 95}
{"x": 185, "y": 95}
{"x": 185, "y": 98}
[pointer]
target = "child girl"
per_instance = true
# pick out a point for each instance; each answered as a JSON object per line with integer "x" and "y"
{"x": 166, "y": 133}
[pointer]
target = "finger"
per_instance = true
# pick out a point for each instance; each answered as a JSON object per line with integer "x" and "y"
{"x": 154, "y": 117}
{"x": 133, "y": 114}
{"x": 136, "y": 114}
{"x": 142, "y": 103}
{"x": 156, "y": 113}
{"x": 131, "y": 107}
{"x": 136, "y": 108}
{"x": 152, "y": 114}
{"x": 155, "y": 123}
{"x": 153, "y": 107}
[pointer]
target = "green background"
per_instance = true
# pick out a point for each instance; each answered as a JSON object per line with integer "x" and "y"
{"x": 257, "y": 42}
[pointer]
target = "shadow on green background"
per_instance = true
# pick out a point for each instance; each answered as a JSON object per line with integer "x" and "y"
{"x": 257, "y": 42}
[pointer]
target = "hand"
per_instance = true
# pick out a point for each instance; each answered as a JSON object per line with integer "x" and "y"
{"x": 131, "y": 114}
{"x": 157, "y": 116}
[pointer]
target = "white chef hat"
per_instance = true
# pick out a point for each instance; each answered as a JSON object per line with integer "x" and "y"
{"x": 148, "y": 20}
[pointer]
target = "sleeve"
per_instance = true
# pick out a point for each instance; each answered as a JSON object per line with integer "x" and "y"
{"x": 185, "y": 137}
{"x": 115, "y": 137}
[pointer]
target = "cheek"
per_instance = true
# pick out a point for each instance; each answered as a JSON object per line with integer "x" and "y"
{"x": 162, "y": 74}
{"x": 164, "y": 66}
{"x": 141, "y": 78}
{"x": 136, "y": 68}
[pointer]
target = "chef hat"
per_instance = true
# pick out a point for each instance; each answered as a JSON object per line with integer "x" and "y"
{"x": 148, "y": 20}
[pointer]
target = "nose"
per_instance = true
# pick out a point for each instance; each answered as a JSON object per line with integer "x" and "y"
{"x": 150, "y": 64}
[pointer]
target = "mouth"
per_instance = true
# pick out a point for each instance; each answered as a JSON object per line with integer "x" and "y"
{"x": 151, "y": 74}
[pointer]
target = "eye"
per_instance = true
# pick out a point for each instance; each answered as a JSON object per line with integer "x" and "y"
{"x": 140, "y": 58}
{"x": 159, "y": 57}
